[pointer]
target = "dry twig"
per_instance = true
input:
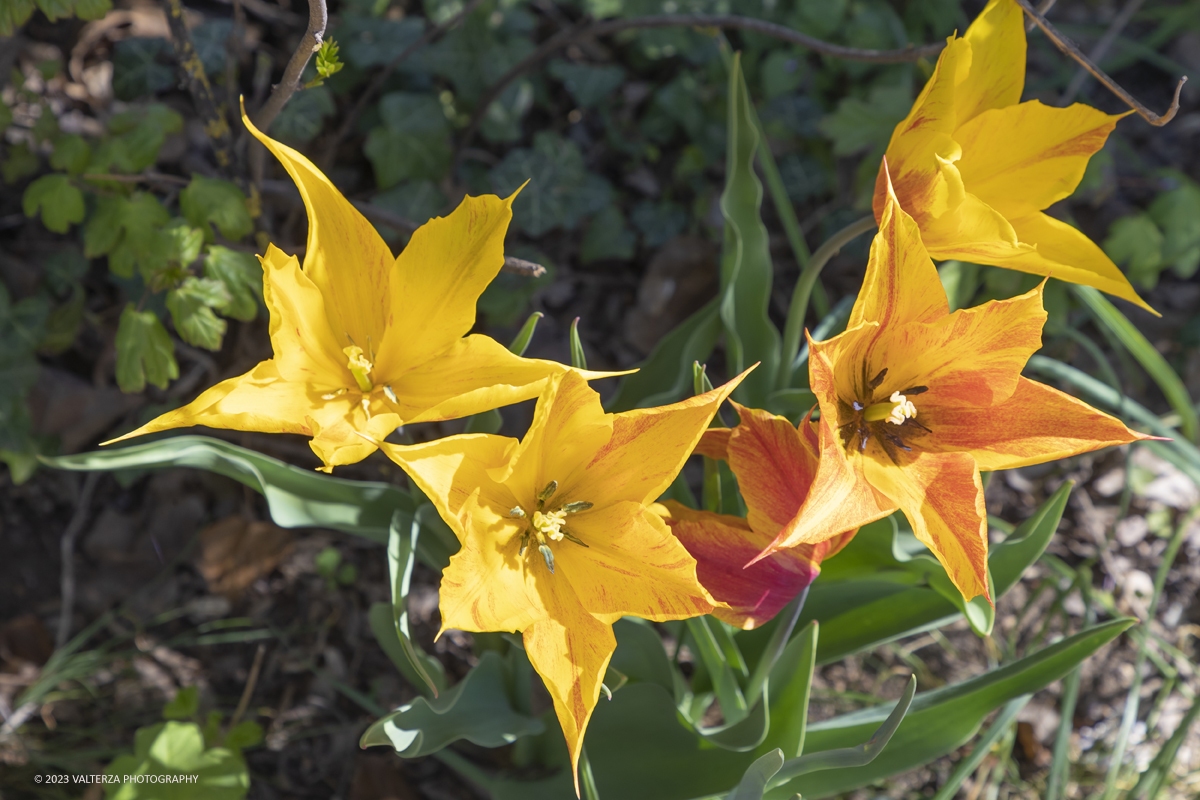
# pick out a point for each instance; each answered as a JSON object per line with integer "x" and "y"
{"x": 1101, "y": 48}
{"x": 1071, "y": 50}
{"x": 191, "y": 68}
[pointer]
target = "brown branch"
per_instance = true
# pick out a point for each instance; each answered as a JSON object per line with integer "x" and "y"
{"x": 1101, "y": 49}
{"x": 1071, "y": 50}
{"x": 1043, "y": 9}
{"x": 583, "y": 31}
{"x": 377, "y": 82}
{"x": 191, "y": 70}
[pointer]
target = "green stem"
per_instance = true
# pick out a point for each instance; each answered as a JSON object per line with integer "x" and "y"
{"x": 803, "y": 291}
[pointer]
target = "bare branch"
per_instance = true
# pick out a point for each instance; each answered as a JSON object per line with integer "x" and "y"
{"x": 1071, "y": 50}
{"x": 1101, "y": 49}
{"x": 318, "y": 18}
{"x": 377, "y": 82}
{"x": 724, "y": 21}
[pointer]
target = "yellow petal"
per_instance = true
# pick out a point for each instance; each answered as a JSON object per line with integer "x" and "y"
{"x": 942, "y": 497}
{"x": 475, "y": 374}
{"x": 339, "y": 438}
{"x": 1065, "y": 253}
{"x": 649, "y": 446}
{"x": 437, "y": 281}
{"x": 346, "y": 258}
{"x": 571, "y": 653}
{"x": 1021, "y": 159}
{"x": 1036, "y": 424}
{"x": 774, "y": 466}
{"x": 306, "y": 348}
{"x": 997, "y": 76}
{"x": 974, "y": 230}
{"x": 631, "y": 565}
{"x": 933, "y": 116}
{"x": 901, "y": 282}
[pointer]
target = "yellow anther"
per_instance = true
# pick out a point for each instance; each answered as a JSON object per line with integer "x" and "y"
{"x": 895, "y": 410}
{"x": 360, "y": 367}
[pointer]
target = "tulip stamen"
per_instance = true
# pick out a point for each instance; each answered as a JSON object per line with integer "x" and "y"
{"x": 546, "y": 525}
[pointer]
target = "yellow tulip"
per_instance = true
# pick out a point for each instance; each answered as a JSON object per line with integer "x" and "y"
{"x": 557, "y": 539}
{"x": 366, "y": 342}
{"x": 916, "y": 401}
{"x": 975, "y": 167}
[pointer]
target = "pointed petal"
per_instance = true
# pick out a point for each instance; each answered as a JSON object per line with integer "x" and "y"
{"x": 1023, "y": 158}
{"x": 942, "y": 496}
{"x": 997, "y": 76}
{"x": 774, "y": 468}
{"x": 901, "y": 282}
{"x": 475, "y": 374}
{"x": 346, "y": 258}
{"x": 714, "y": 444}
{"x": 306, "y": 349}
{"x": 631, "y": 565}
{"x": 840, "y": 499}
{"x": 722, "y": 544}
{"x": 1065, "y": 253}
{"x": 571, "y": 653}
{"x": 650, "y": 445}
{"x": 349, "y": 437}
{"x": 438, "y": 279}
{"x": 973, "y": 230}
{"x": 1036, "y": 424}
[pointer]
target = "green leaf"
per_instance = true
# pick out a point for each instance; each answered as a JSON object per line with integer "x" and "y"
{"x": 185, "y": 242}
{"x": 414, "y": 141}
{"x": 782, "y": 72}
{"x": 560, "y": 190}
{"x": 13, "y": 15}
{"x": 758, "y": 774}
{"x": 578, "y": 358}
{"x": 791, "y": 675}
{"x": 71, "y": 153}
{"x": 144, "y": 351}
{"x": 185, "y": 705}
{"x": 21, "y": 163}
{"x": 944, "y": 719}
{"x": 982, "y": 747}
{"x": 1137, "y": 243}
{"x": 296, "y": 497}
{"x": 92, "y": 9}
{"x": 588, "y": 84}
{"x": 211, "y": 200}
{"x": 521, "y": 342}
{"x": 746, "y": 268}
{"x": 242, "y": 275}
{"x": 1146, "y": 354}
{"x": 191, "y": 307}
{"x": 6, "y": 117}
{"x": 177, "y": 749}
{"x": 418, "y": 201}
{"x": 666, "y": 374}
{"x": 243, "y": 735}
{"x": 369, "y": 41}
{"x": 502, "y": 121}
{"x": 129, "y": 231}
{"x": 139, "y": 134}
{"x": 860, "y": 125}
{"x": 658, "y": 221}
{"x": 53, "y": 9}
{"x": 61, "y": 203}
{"x": 479, "y": 709}
{"x": 141, "y": 67}
{"x": 607, "y": 236}
{"x": 304, "y": 116}
{"x": 1177, "y": 213}
{"x": 402, "y": 551}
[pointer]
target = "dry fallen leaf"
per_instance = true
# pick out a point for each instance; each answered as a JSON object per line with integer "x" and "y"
{"x": 235, "y": 552}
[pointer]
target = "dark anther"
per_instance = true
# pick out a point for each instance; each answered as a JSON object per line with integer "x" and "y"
{"x": 896, "y": 440}
{"x": 878, "y": 379}
{"x": 864, "y": 433}
{"x": 916, "y": 390}
{"x": 913, "y": 421}
{"x": 857, "y": 406}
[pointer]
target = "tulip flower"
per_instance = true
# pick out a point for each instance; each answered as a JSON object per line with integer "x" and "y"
{"x": 775, "y": 463}
{"x": 916, "y": 401}
{"x": 557, "y": 539}
{"x": 975, "y": 167}
{"x": 366, "y": 342}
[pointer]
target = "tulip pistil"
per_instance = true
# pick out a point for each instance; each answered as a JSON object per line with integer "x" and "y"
{"x": 546, "y": 525}
{"x": 895, "y": 410}
{"x": 360, "y": 367}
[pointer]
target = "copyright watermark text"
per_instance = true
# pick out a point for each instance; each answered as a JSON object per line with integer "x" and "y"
{"x": 115, "y": 778}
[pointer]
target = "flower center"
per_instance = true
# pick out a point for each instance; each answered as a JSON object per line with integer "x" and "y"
{"x": 867, "y": 418}
{"x": 360, "y": 367}
{"x": 895, "y": 410}
{"x": 546, "y": 525}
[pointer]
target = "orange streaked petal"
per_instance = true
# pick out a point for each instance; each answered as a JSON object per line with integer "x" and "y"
{"x": 1036, "y": 424}
{"x": 901, "y": 282}
{"x": 714, "y": 444}
{"x": 306, "y": 348}
{"x": 942, "y": 496}
{"x": 997, "y": 76}
{"x": 774, "y": 468}
{"x": 571, "y": 652}
{"x": 631, "y": 565}
{"x": 346, "y": 258}
{"x": 1021, "y": 159}
{"x": 447, "y": 264}
{"x": 664, "y": 437}
{"x": 722, "y": 544}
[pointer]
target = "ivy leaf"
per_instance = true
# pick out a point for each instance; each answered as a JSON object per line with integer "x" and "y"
{"x": 607, "y": 237}
{"x": 1136, "y": 242}
{"x": 418, "y": 201}
{"x": 129, "y": 231}
{"x": 587, "y": 84}
{"x": 210, "y": 38}
{"x": 140, "y": 133}
{"x": 413, "y": 142}
{"x": 304, "y": 116}
{"x": 144, "y": 351}
{"x": 71, "y": 153}
{"x": 242, "y": 276}
{"x": 211, "y": 200}
{"x": 1177, "y": 212}
{"x": 140, "y": 68}
{"x": 191, "y": 307}
{"x": 372, "y": 42}
{"x": 658, "y": 221}
{"x": 60, "y": 201}
{"x": 859, "y": 125}
{"x": 560, "y": 191}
